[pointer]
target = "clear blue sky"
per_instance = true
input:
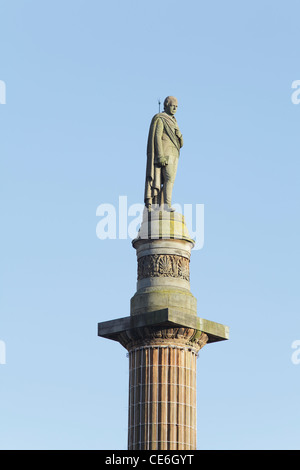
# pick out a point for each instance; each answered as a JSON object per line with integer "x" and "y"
{"x": 82, "y": 81}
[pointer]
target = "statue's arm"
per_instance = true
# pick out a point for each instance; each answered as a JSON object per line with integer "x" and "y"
{"x": 160, "y": 158}
{"x": 180, "y": 140}
{"x": 158, "y": 139}
{"x": 179, "y": 136}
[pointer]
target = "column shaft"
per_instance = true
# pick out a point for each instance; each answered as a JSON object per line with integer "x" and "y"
{"x": 162, "y": 398}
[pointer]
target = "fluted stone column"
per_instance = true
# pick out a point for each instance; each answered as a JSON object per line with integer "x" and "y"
{"x": 162, "y": 390}
{"x": 163, "y": 336}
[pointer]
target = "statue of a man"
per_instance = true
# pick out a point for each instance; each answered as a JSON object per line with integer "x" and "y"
{"x": 164, "y": 144}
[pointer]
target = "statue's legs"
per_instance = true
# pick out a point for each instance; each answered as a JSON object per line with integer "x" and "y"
{"x": 169, "y": 172}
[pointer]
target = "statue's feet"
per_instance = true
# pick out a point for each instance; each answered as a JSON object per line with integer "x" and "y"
{"x": 148, "y": 207}
{"x": 168, "y": 208}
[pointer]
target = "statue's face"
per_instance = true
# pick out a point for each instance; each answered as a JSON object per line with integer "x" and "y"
{"x": 171, "y": 107}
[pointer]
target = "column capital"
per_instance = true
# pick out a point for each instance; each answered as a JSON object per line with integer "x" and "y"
{"x": 161, "y": 325}
{"x": 163, "y": 336}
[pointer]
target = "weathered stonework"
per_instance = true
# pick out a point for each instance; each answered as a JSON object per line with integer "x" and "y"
{"x": 159, "y": 335}
{"x": 164, "y": 266}
{"x": 162, "y": 396}
{"x": 163, "y": 336}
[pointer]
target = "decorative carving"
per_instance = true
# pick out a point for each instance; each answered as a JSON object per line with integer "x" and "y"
{"x": 163, "y": 266}
{"x": 163, "y": 336}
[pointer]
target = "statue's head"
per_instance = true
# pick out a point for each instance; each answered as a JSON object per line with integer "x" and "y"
{"x": 170, "y": 105}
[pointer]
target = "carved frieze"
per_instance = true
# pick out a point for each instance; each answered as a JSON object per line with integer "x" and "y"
{"x": 163, "y": 266}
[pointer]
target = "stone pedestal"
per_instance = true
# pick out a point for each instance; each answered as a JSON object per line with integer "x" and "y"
{"x": 163, "y": 336}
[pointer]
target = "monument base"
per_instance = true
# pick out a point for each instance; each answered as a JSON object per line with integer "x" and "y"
{"x": 163, "y": 336}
